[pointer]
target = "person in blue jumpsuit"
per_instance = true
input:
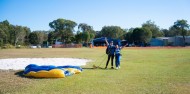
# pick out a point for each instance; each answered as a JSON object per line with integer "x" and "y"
{"x": 118, "y": 55}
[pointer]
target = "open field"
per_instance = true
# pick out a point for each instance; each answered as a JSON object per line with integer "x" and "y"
{"x": 143, "y": 71}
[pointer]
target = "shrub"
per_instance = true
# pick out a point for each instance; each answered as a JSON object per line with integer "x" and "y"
{"x": 1, "y": 42}
{"x": 22, "y": 46}
{"x": 8, "y": 46}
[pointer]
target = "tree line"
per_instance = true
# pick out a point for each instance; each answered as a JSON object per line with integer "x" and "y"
{"x": 63, "y": 30}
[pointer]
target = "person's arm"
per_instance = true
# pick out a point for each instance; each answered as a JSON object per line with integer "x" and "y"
{"x": 106, "y": 41}
{"x": 123, "y": 46}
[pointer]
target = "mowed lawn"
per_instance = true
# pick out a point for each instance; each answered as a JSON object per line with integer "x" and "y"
{"x": 143, "y": 71}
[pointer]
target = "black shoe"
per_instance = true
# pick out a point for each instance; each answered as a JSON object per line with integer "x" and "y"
{"x": 112, "y": 68}
{"x": 105, "y": 67}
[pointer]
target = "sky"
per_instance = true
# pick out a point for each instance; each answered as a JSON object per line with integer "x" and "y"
{"x": 37, "y": 14}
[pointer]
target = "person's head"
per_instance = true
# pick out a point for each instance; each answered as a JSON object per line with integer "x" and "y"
{"x": 117, "y": 46}
{"x": 111, "y": 43}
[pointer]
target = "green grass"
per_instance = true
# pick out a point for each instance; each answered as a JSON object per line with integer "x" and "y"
{"x": 143, "y": 71}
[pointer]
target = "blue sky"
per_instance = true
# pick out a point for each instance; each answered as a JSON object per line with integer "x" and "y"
{"x": 36, "y": 14}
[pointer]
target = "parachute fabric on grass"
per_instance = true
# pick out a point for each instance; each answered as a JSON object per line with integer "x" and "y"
{"x": 33, "y": 70}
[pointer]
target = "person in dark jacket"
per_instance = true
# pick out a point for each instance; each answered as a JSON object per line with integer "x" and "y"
{"x": 110, "y": 52}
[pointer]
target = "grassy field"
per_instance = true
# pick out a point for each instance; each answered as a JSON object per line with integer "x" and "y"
{"x": 143, "y": 71}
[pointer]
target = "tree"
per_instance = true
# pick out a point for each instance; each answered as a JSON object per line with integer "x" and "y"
{"x": 165, "y": 32}
{"x": 79, "y": 37}
{"x": 4, "y": 32}
{"x": 182, "y": 26}
{"x": 19, "y": 35}
{"x": 51, "y": 37}
{"x": 172, "y": 32}
{"x": 151, "y": 26}
{"x": 141, "y": 36}
{"x": 87, "y": 32}
{"x": 41, "y": 36}
{"x": 65, "y": 28}
{"x": 128, "y": 36}
{"x": 98, "y": 34}
{"x": 33, "y": 38}
{"x": 86, "y": 37}
{"x": 112, "y": 32}
{"x": 85, "y": 27}
{"x": 188, "y": 33}
{"x": 27, "y": 33}
{"x": 2, "y": 37}
{"x": 11, "y": 34}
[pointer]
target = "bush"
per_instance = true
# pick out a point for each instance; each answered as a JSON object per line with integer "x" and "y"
{"x": 8, "y": 46}
{"x": 1, "y": 42}
{"x": 18, "y": 46}
{"x": 22, "y": 46}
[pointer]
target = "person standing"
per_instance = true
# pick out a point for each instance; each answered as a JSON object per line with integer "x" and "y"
{"x": 118, "y": 55}
{"x": 110, "y": 50}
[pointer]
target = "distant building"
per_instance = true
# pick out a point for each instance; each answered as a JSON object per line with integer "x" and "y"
{"x": 156, "y": 42}
{"x": 57, "y": 42}
{"x": 169, "y": 41}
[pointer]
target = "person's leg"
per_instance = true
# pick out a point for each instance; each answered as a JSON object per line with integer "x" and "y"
{"x": 112, "y": 57}
{"x": 108, "y": 60}
{"x": 116, "y": 61}
{"x": 119, "y": 59}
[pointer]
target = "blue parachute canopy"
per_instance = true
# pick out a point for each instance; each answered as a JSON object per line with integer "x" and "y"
{"x": 51, "y": 71}
{"x": 101, "y": 41}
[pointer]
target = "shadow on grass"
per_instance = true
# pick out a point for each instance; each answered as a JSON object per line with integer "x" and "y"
{"x": 20, "y": 74}
{"x": 93, "y": 68}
